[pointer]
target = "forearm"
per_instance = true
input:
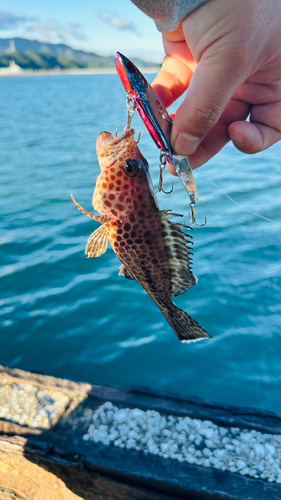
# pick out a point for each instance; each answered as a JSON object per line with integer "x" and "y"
{"x": 167, "y": 14}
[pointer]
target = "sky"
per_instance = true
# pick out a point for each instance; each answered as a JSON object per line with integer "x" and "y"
{"x": 100, "y": 26}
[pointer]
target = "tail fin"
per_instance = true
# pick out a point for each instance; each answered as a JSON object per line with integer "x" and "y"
{"x": 184, "y": 326}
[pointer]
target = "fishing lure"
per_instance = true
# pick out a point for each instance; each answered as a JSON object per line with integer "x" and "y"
{"x": 142, "y": 96}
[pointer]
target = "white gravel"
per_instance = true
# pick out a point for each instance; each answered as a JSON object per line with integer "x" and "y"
{"x": 189, "y": 440}
{"x": 29, "y": 406}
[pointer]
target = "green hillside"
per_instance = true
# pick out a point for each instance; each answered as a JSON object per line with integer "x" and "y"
{"x": 59, "y": 55}
{"x": 31, "y": 60}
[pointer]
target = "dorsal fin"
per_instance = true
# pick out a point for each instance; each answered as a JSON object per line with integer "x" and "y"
{"x": 176, "y": 242}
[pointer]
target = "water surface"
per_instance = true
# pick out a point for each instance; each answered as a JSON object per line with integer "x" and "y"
{"x": 68, "y": 316}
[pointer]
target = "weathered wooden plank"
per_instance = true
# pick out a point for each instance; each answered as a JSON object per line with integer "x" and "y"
{"x": 153, "y": 473}
{"x": 28, "y": 473}
{"x": 163, "y": 475}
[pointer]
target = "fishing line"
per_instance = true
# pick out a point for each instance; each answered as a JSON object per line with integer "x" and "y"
{"x": 235, "y": 202}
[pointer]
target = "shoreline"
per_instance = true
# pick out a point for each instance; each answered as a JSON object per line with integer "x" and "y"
{"x": 76, "y": 71}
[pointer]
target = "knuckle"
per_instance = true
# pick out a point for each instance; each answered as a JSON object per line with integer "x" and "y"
{"x": 241, "y": 62}
{"x": 208, "y": 114}
{"x": 275, "y": 91}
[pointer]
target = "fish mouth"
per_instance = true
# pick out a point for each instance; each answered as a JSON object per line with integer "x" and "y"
{"x": 124, "y": 136}
{"x": 108, "y": 139}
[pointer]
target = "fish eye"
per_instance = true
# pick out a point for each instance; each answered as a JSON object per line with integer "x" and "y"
{"x": 132, "y": 167}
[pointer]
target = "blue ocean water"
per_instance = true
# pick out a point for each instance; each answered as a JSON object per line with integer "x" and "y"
{"x": 68, "y": 316}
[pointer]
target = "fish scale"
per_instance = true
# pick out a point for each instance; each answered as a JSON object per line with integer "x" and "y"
{"x": 153, "y": 250}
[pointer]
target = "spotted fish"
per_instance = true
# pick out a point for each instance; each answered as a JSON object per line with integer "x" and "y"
{"x": 153, "y": 250}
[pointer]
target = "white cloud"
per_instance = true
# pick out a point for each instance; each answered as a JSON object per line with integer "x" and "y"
{"x": 47, "y": 31}
{"x": 10, "y": 19}
{"x": 53, "y": 31}
{"x": 118, "y": 24}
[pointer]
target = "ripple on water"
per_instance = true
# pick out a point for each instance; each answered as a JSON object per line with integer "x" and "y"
{"x": 74, "y": 317}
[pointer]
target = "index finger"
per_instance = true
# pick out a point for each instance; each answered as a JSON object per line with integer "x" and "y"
{"x": 175, "y": 74}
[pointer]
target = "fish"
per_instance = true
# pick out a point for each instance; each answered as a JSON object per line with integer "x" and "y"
{"x": 153, "y": 250}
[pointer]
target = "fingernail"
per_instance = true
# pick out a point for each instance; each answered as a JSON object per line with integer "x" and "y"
{"x": 239, "y": 144}
{"x": 186, "y": 144}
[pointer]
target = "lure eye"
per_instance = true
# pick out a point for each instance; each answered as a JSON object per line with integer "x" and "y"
{"x": 132, "y": 167}
{"x": 130, "y": 67}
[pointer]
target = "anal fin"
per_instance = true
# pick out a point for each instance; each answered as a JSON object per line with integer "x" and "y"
{"x": 124, "y": 271}
{"x": 97, "y": 243}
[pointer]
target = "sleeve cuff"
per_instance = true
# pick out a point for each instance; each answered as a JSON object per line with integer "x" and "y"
{"x": 168, "y": 14}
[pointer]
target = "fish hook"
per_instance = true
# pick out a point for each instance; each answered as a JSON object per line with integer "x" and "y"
{"x": 161, "y": 182}
{"x": 138, "y": 138}
{"x": 171, "y": 190}
{"x": 116, "y": 133}
{"x": 162, "y": 166}
{"x": 193, "y": 216}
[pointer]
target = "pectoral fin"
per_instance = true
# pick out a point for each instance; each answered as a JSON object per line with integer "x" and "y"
{"x": 97, "y": 243}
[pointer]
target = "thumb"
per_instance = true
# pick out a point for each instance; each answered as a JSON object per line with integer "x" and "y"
{"x": 212, "y": 86}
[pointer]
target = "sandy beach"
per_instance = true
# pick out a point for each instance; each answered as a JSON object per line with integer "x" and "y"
{"x": 57, "y": 72}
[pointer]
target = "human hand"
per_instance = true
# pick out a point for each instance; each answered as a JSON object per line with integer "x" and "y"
{"x": 228, "y": 55}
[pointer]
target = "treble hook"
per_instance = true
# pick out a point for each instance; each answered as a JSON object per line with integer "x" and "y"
{"x": 193, "y": 217}
{"x": 171, "y": 190}
{"x": 163, "y": 162}
{"x": 161, "y": 181}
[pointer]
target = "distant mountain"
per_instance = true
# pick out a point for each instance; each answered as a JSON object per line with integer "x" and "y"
{"x": 31, "y": 60}
{"x": 82, "y": 59}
